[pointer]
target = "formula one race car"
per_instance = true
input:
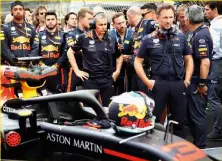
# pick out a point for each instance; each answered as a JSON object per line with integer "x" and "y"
{"x": 61, "y": 127}
{"x": 24, "y": 135}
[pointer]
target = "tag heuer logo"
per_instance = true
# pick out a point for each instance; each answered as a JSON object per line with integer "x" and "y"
{"x": 91, "y": 42}
{"x": 155, "y": 41}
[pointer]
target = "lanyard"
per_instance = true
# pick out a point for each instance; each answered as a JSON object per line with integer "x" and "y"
{"x": 117, "y": 38}
{"x": 136, "y": 33}
{"x": 55, "y": 43}
{"x": 18, "y": 29}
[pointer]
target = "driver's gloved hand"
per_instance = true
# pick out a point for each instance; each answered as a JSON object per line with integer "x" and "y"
{"x": 99, "y": 124}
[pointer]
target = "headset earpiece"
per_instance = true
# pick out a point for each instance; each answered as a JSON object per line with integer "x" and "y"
{"x": 171, "y": 32}
{"x": 92, "y": 24}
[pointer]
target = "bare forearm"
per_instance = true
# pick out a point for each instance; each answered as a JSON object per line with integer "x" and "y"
{"x": 204, "y": 68}
{"x": 189, "y": 66}
{"x": 119, "y": 63}
{"x": 140, "y": 71}
{"x": 72, "y": 60}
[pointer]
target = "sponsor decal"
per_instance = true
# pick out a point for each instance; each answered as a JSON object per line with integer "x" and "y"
{"x": 157, "y": 45}
{"x": 70, "y": 42}
{"x": 140, "y": 123}
{"x": 202, "y": 49}
{"x": 20, "y": 39}
{"x": 81, "y": 144}
{"x": 43, "y": 37}
{"x": 91, "y": 42}
{"x": 152, "y": 22}
{"x": 2, "y": 35}
{"x": 136, "y": 44}
{"x": 28, "y": 29}
{"x": 156, "y": 41}
{"x": 7, "y": 109}
{"x": 14, "y": 33}
{"x": 50, "y": 48}
{"x": 177, "y": 45}
{"x": 51, "y": 54}
{"x": 20, "y": 47}
{"x": 36, "y": 39}
{"x": 126, "y": 41}
{"x": 202, "y": 41}
{"x": 13, "y": 28}
{"x": 140, "y": 30}
{"x": 203, "y": 54}
{"x": 133, "y": 110}
{"x": 58, "y": 38}
{"x": 202, "y": 45}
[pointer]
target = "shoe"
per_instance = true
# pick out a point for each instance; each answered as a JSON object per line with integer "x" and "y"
{"x": 214, "y": 136}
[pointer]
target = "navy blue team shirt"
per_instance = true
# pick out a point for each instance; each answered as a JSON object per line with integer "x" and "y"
{"x": 166, "y": 54}
{"x": 202, "y": 46}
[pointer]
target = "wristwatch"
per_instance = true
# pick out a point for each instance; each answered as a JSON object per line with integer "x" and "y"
{"x": 187, "y": 83}
{"x": 201, "y": 85}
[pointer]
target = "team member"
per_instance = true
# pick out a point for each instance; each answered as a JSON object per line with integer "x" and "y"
{"x": 20, "y": 38}
{"x": 148, "y": 11}
{"x": 202, "y": 47}
{"x": 53, "y": 50}
{"x": 123, "y": 37}
{"x": 213, "y": 12}
{"x": 181, "y": 20}
{"x": 39, "y": 18}
{"x": 142, "y": 28}
{"x": 84, "y": 17}
{"x": 70, "y": 21}
{"x": 97, "y": 50}
{"x": 28, "y": 15}
{"x": 167, "y": 50}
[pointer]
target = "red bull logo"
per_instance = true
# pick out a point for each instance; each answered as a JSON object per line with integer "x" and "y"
{"x": 138, "y": 122}
{"x": 132, "y": 110}
{"x": 50, "y": 48}
{"x": 21, "y": 40}
{"x": 54, "y": 55}
{"x": 20, "y": 47}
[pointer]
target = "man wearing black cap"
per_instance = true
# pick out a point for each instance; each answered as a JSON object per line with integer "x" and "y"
{"x": 20, "y": 38}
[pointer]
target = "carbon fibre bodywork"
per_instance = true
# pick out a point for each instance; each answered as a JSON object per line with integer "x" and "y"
{"x": 44, "y": 140}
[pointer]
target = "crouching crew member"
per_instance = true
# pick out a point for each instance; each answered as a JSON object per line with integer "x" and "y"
{"x": 167, "y": 50}
{"x": 53, "y": 50}
{"x": 202, "y": 47}
{"x": 97, "y": 50}
{"x": 19, "y": 37}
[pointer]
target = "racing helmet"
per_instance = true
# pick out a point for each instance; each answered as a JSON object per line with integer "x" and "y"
{"x": 132, "y": 112}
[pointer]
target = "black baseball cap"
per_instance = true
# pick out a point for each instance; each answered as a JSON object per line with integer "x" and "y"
{"x": 13, "y": 4}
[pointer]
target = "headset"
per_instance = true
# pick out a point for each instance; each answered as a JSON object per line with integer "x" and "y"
{"x": 170, "y": 32}
{"x": 92, "y": 24}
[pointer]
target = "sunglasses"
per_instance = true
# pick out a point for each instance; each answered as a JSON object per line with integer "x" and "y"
{"x": 42, "y": 13}
{"x": 144, "y": 14}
